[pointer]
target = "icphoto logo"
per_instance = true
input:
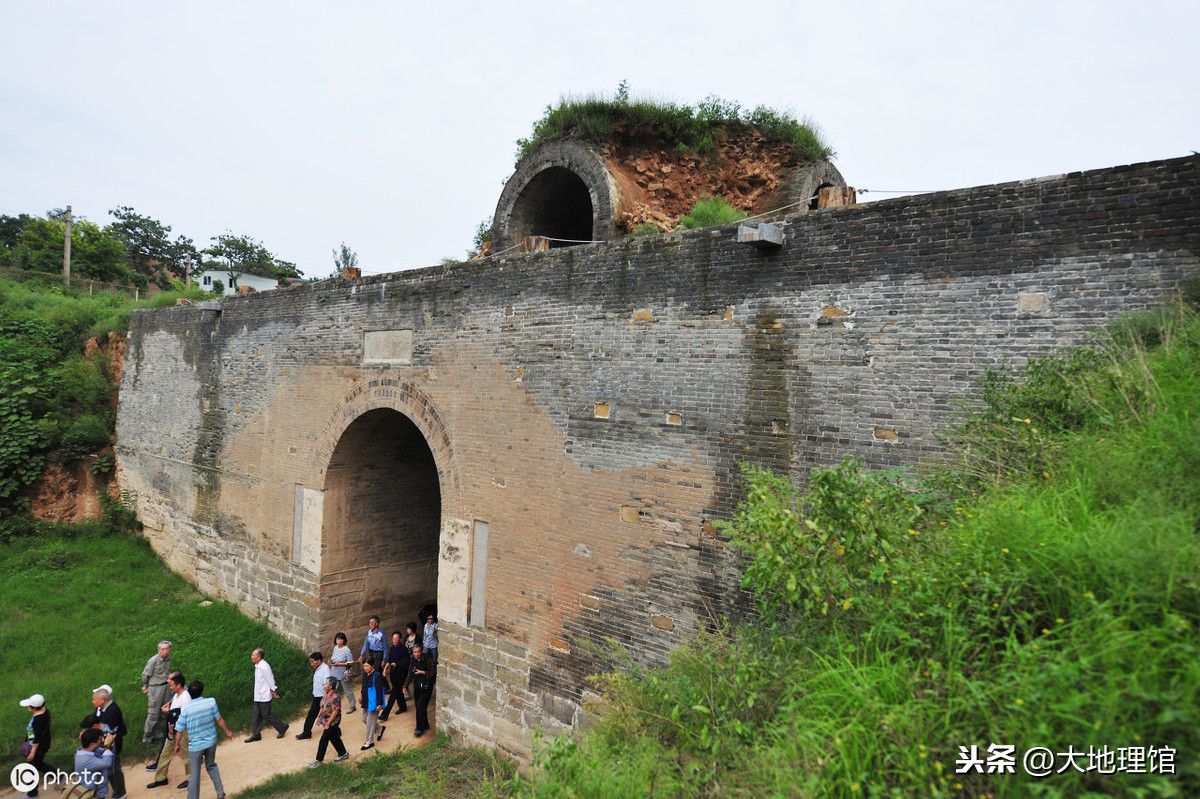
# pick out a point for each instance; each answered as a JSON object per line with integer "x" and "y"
{"x": 24, "y": 777}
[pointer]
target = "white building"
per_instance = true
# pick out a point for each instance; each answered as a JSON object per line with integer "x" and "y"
{"x": 257, "y": 282}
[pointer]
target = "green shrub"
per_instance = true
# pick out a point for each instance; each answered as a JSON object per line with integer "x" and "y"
{"x": 104, "y": 464}
{"x": 645, "y": 229}
{"x": 46, "y": 382}
{"x": 1020, "y": 424}
{"x": 710, "y": 211}
{"x": 81, "y": 385}
{"x": 85, "y": 435}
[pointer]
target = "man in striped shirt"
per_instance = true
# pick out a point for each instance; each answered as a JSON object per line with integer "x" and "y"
{"x": 199, "y": 720}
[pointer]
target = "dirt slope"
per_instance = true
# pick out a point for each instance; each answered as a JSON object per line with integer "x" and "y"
{"x": 661, "y": 184}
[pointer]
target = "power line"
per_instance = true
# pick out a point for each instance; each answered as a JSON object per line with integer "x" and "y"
{"x": 897, "y": 191}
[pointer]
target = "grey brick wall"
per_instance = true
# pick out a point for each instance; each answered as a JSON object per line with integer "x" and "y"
{"x": 859, "y": 337}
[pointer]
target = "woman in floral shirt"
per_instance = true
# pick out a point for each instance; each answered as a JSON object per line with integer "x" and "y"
{"x": 330, "y": 717}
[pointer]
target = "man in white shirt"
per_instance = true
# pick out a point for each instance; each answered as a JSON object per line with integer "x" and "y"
{"x": 175, "y": 742}
{"x": 320, "y": 675}
{"x": 264, "y": 691}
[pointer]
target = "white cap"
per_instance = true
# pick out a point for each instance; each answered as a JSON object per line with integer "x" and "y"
{"x": 105, "y": 687}
{"x": 37, "y": 700}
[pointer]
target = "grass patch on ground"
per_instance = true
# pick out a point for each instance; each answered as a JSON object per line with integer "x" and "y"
{"x": 1047, "y": 598}
{"x": 83, "y": 605}
{"x": 709, "y": 212}
{"x": 438, "y": 770}
{"x": 698, "y": 127}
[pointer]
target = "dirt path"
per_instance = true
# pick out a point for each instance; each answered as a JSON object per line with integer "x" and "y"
{"x": 243, "y": 765}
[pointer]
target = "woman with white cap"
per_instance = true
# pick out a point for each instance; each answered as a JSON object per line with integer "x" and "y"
{"x": 37, "y": 736}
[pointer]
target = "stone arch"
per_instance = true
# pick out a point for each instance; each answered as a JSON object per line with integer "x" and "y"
{"x": 402, "y": 396}
{"x": 562, "y": 189}
{"x": 385, "y": 466}
{"x": 802, "y": 185}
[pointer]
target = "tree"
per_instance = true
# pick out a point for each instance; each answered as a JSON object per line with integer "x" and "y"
{"x": 344, "y": 258}
{"x": 483, "y": 235}
{"x": 239, "y": 255}
{"x": 242, "y": 255}
{"x": 285, "y": 270}
{"x": 95, "y": 252}
{"x": 145, "y": 239}
{"x": 10, "y": 229}
{"x": 183, "y": 252}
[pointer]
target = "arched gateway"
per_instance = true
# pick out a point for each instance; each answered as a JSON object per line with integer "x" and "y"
{"x": 387, "y": 489}
{"x": 380, "y": 526}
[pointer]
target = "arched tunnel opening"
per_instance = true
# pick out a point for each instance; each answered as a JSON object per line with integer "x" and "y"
{"x": 814, "y": 202}
{"x": 555, "y": 203}
{"x": 381, "y": 527}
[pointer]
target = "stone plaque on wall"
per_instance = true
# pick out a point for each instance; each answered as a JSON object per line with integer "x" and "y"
{"x": 387, "y": 347}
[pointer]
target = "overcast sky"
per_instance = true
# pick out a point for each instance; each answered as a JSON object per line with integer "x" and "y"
{"x": 391, "y": 126}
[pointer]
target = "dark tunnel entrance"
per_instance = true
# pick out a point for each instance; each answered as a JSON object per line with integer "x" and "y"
{"x": 381, "y": 527}
{"x": 556, "y": 203}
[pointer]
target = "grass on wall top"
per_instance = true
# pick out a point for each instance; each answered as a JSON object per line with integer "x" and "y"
{"x": 698, "y": 127}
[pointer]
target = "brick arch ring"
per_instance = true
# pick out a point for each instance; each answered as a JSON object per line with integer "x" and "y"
{"x": 401, "y": 396}
{"x": 581, "y": 160}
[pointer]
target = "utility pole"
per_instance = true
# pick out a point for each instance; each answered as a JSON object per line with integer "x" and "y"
{"x": 67, "y": 252}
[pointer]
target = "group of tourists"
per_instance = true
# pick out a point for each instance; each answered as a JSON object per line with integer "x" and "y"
{"x": 180, "y": 719}
{"x": 394, "y": 669}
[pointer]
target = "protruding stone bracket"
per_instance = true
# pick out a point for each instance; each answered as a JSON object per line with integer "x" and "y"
{"x": 763, "y": 236}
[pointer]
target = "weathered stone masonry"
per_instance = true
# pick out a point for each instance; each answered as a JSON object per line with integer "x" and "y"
{"x": 590, "y": 405}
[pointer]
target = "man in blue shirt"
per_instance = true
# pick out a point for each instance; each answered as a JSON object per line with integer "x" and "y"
{"x": 199, "y": 720}
{"x": 94, "y": 760}
{"x": 373, "y": 644}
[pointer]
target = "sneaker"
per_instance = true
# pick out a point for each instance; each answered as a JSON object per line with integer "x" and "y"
{"x": 383, "y": 717}
{"x": 315, "y": 764}
{"x": 340, "y": 758}
{"x": 379, "y": 735}
{"x": 157, "y": 784}
{"x": 418, "y": 733}
{"x": 183, "y": 784}
{"x": 365, "y": 747}
{"x": 152, "y": 766}
{"x": 283, "y": 732}
{"x": 253, "y": 738}
{"x": 304, "y": 736}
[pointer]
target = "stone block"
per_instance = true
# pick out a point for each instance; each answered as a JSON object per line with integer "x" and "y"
{"x": 762, "y": 236}
{"x": 1033, "y": 302}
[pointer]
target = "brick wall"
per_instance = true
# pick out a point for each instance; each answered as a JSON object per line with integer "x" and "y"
{"x": 591, "y": 406}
